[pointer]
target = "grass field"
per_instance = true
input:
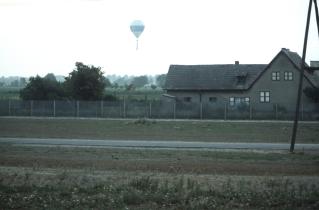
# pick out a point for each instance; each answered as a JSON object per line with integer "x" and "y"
{"x": 34, "y": 177}
{"x": 9, "y": 93}
{"x": 142, "y": 129}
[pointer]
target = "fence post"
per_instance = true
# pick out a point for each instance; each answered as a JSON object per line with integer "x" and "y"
{"x": 102, "y": 108}
{"x": 174, "y": 110}
{"x": 276, "y": 108}
{"x": 77, "y": 108}
{"x": 9, "y": 107}
{"x": 124, "y": 108}
{"x": 150, "y": 109}
{"x": 201, "y": 110}
{"x": 31, "y": 108}
{"x": 54, "y": 114}
{"x": 225, "y": 111}
{"x": 250, "y": 112}
{"x": 302, "y": 112}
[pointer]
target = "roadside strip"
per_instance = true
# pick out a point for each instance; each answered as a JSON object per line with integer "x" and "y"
{"x": 153, "y": 144}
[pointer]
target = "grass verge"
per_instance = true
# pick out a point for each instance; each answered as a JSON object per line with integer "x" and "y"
{"x": 157, "y": 130}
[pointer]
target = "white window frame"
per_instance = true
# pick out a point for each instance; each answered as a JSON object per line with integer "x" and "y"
{"x": 235, "y": 101}
{"x": 288, "y": 76}
{"x": 232, "y": 101}
{"x": 275, "y": 76}
{"x": 247, "y": 100}
{"x": 264, "y": 96}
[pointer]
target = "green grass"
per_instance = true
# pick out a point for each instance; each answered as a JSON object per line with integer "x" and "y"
{"x": 209, "y": 131}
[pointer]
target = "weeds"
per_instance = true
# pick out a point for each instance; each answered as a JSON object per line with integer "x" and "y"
{"x": 180, "y": 193}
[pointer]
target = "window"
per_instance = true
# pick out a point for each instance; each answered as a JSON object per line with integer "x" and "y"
{"x": 239, "y": 101}
{"x": 241, "y": 79}
{"x": 231, "y": 101}
{"x": 247, "y": 101}
{"x": 212, "y": 99}
{"x": 187, "y": 99}
{"x": 288, "y": 76}
{"x": 275, "y": 76}
{"x": 264, "y": 96}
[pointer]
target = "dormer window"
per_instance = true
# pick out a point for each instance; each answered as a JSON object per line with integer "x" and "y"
{"x": 241, "y": 78}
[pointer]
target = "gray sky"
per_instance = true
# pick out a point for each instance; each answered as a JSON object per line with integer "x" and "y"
{"x": 49, "y": 36}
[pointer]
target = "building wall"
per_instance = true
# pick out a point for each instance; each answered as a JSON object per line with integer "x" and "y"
{"x": 181, "y": 95}
{"x": 282, "y": 92}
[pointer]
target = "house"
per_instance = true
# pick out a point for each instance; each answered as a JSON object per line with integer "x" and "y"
{"x": 261, "y": 86}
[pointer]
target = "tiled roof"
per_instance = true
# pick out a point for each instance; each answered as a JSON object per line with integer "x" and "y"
{"x": 212, "y": 77}
{"x": 226, "y": 77}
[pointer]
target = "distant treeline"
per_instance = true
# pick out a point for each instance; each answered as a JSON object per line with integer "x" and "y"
{"x": 85, "y": 82}
{"x": 114, "y": 81}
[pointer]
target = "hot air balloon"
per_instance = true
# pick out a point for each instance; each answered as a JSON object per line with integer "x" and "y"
{"x": 137, "y": 27}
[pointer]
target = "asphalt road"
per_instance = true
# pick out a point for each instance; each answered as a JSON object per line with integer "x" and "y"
{"x": 152, "y": 144}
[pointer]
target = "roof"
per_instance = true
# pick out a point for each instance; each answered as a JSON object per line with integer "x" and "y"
{"x": 297, "y": 60}
{"x": 212, "y": 77}
{"x": 227, "y": 76}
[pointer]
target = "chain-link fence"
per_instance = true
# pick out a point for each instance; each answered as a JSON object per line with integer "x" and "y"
{"x": 153, "y": 109}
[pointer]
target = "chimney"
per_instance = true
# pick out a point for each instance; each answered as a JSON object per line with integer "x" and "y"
{"x": 236, "y": 62}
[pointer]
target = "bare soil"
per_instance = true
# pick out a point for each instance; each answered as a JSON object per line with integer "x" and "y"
{"x": 168, "y": 161}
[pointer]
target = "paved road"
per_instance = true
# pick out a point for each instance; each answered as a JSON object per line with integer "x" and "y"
{"x": 154, "y": 144}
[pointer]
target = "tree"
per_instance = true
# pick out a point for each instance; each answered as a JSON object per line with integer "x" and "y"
{"x": 50, "y": 77}
{"x": 23, "y": 82}
{"x": 160, "y": 80}
{"x": 42, "y": 89}
{"x": 85, "y": 82}
{"x": 312, "y": 93}
{"x": 129, "y": 87}
{"x": 14, "y": 83}
{"x": 107, "y": 82}
{"x": 139, "y": 81}
{"x": 115, "y": 85}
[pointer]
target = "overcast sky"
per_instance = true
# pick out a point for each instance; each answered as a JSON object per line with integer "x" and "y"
{"x": 49, "y": 36}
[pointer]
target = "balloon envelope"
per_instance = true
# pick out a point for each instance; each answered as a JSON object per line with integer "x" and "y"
{"x": 137, "y": 27}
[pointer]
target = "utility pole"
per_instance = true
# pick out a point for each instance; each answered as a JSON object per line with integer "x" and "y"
{"x": 303, "y": 67}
